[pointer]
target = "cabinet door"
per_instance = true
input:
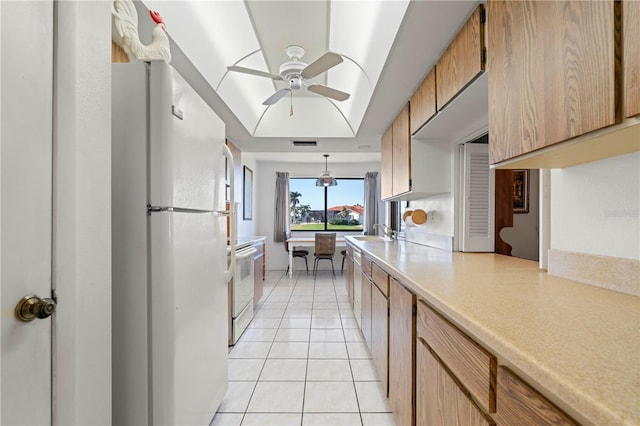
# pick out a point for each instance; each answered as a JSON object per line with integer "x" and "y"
{"x": 401, "y": 353}
{"x": 439, "y": 400}
{"x": 519, "y": 404}
{"x": 631, "y": 57}
{"x": 365, "y": 323}
{"x": 402, "y": 153}
{"x": 552, "y": 72}
{"x": 386, "y": 164}
{"x": 380, "y": 335}
{"x": 462, "y": 60}
{"x": 423, "y": 102}
{"x": 349, "y": 277}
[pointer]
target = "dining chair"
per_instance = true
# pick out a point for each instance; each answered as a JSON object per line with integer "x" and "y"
{"x": 296, "y": 252}
{"x": 344, "y": 256}
{"x": 325, "y": 248}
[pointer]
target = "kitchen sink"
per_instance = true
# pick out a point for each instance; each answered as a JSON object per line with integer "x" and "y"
{"x": 372, "y": 238}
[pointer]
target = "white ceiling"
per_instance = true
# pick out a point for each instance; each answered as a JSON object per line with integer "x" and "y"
{"x": 425, "y": 31}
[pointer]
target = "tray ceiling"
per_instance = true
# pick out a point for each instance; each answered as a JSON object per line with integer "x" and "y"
{"x": 388, "y": 47}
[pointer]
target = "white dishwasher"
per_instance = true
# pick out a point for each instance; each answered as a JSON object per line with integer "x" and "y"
{"x": 357, "y": 286}
{"x": 242, "y": 292}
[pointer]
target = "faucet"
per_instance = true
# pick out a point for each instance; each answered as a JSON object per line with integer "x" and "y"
{"x": 385, "y": 230}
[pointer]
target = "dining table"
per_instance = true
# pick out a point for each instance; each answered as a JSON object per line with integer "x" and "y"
{"x": 309, "y": 241}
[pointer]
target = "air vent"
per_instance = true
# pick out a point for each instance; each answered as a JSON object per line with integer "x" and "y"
{"x": 305, "y": 143}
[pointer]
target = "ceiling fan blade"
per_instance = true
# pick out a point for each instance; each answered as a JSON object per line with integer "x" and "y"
{"x": 320, "y": 65}
{"x": 276, "y": 96}
{"x": 328, "y": 92}
{"x": 254, "y": 72}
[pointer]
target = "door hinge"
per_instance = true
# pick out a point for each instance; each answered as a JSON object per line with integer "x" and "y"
{"x": 483, "y": 15}
{"x": 414, "y": 310}
{"x": 483, "y": 56}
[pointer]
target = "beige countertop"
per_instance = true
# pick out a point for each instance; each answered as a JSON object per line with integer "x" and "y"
{"x": 578, "y": 345}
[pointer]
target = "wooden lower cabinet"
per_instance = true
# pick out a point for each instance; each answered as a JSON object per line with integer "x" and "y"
{"x": 439, "y": 400}
{"x": 365, "y": 305}
{"x": 472, "y": 366}
{"x": 380, "y": 336}
{"x": 402, "y": 339}
{"x": 519, "y": 404}
{"x": 348, "y": 270}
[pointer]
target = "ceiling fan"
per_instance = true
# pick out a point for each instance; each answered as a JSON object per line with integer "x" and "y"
{"x": 295, "y": 72}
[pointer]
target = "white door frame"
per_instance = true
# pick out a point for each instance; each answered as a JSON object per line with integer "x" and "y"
{"x": 82, "y": 213}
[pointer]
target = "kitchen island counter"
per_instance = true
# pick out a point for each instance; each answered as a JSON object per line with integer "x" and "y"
{"x": 579, "y": 345}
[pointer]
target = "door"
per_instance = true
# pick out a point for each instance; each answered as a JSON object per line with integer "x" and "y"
{"x": 26, "y": 85}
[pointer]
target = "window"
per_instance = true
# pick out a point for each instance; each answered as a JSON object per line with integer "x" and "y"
{"x": 333, "y": 208}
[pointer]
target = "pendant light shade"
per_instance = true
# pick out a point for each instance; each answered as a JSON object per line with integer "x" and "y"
{"x": 326, "y": 179}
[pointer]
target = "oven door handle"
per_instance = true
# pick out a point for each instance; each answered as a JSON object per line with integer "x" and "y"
{"x": 245, "y": 253}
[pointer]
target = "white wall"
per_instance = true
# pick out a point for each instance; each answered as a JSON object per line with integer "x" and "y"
{"x": 439, "y": 229}
{"x": 247, "y": 228}
{"x": 595, "y": 207}
{"x": 523, "y": 236}
{"x": 264, "y": 188}
{"x": 83, "y": 214}
{"x": 440, "y": 214}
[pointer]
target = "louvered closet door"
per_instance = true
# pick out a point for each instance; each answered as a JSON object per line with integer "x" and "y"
{"x": 477, "y": 199}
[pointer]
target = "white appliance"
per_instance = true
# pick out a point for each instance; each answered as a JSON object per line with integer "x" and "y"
{"x": 169, "y": 243}
{"x": 242, "y": 292}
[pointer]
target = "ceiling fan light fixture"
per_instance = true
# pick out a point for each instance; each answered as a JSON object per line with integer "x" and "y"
{"x": 326, "y": 179}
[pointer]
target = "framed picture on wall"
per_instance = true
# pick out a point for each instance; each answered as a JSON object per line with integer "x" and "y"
{"x": 521, "y": 191}
{"x": 247, "y": 193}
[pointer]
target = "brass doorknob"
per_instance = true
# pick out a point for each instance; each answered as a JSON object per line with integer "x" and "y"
{"x": 32, "y": 307}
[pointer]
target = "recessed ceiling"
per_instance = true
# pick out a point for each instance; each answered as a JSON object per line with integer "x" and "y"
{"x": 388, "y": 48}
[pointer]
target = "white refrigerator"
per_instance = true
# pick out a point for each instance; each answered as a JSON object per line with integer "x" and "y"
{"x": 169, "y": 246}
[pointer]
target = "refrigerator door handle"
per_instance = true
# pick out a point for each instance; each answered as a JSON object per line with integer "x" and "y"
{"x": 233, "y": 229}
{"x": 159, "y": 209}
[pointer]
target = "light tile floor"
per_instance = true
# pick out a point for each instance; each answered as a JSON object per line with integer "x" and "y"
{"x": 303, "y": 360}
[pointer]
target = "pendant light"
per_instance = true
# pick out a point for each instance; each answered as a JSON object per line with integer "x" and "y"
{"x": 326, "y": 179}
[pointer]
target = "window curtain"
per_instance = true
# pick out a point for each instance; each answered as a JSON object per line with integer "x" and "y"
{"x": 281, "y": 220}
{"x": 370, "y": 201}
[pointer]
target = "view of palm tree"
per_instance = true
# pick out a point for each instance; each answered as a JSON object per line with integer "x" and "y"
{"x": 344, "y": 209}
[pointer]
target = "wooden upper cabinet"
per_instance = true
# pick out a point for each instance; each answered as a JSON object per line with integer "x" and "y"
{"x": 519, "y": 404}
{"x": 402, "y": 153}
{"x": 462, "y": 60}
{"x": 631, "y": 57}
{"x": 386, "y": 166}
{"x": 552, "y": 72}
{"x": 423, "y": 102}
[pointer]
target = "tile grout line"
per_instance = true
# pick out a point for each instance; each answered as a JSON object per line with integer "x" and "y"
{"x": 246, "y": 410}
{"x": 353, "y": 381}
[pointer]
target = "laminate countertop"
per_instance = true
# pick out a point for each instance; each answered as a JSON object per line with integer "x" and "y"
{"x": 578, "y": 345}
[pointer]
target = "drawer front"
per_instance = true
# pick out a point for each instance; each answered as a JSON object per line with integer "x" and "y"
{"x": 474, "y": 367}
{"x": 366, "y": 266}
{"x": 439, "y": 400}
{"x": 380, "y": 279}
{"x": 519, "y": 404}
